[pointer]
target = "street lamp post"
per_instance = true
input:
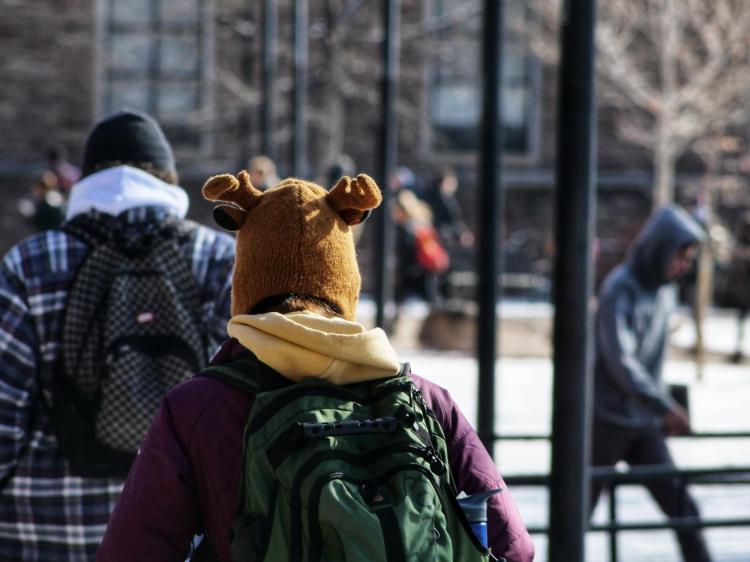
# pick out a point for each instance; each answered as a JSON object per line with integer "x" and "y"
{"x": 299, "y": 101}
{"x": 571, "y": 415}
{"x": 387, "y": 154}
{"x": 490, "y": 214}
{"x": 270, "y": 17}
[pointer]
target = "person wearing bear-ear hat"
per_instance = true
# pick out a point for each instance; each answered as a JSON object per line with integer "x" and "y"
{"x": 295, "y": 289}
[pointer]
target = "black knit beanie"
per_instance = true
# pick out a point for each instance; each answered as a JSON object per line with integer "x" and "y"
{"x": 130, "y": 137}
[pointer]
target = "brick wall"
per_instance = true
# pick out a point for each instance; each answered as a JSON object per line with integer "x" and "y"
{"x": 49, "y": 89}
{"x": 48, "y": 76}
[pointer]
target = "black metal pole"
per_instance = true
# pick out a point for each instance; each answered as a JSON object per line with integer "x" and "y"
{"x": 270, "y": 16}
{"x": 490, "y": 214}
{"x": 571, "y": 414}
{"x": 154, "y": 67}
{"x": 613, "y": 555}
{"x": 299, "y": 103}
{"x": 387, "y": 157}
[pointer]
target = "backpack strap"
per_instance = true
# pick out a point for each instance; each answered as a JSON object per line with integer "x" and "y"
{"x": 132, "y": 238}
{"x": 253, "y": 376}
{"x": 405, "y": 370}
{"x": 248, "y": 374}
{"x": 88, "y": 230}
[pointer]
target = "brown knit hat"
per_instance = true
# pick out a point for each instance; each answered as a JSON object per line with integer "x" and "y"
{"x": 295, "y": 238}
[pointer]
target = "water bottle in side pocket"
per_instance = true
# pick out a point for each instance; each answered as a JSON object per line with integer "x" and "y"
{"x": 475, "y": 509}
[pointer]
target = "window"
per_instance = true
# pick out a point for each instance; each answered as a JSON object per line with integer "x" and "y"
{"x": 455, "y": 86}
{"x": 154, "y": 60}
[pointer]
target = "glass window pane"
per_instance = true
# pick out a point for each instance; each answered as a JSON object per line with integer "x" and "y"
{"x": 177, "y": 100}
{"x": 514, "y": 106}
{"x": 514, "y": 66}
{"x": 459, "y": 61}
{"x": 130, "y": 53}
{"x": 152, "y": 60}
{"x": 179, "y": 55}
{"x": 176, "y": 11}
{"x": 132, "y": 94}
{"x": 130, "y": 12}
{"x": 455, "y": 105}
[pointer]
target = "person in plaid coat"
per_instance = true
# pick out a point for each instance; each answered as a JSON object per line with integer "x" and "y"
{"x": 47, "y": 513}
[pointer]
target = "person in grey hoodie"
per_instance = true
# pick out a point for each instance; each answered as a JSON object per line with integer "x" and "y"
{"x": 633, "y": 410}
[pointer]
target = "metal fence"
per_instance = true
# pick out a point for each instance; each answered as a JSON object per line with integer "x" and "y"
{"x": 637, "y": 475}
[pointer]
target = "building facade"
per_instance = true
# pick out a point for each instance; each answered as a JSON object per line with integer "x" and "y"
{"x": 197, "y": 65}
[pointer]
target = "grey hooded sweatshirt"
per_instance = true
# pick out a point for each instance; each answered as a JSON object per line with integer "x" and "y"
{"x": 632, "y": 321}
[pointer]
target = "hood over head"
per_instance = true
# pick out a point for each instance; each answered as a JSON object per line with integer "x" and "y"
{"x": 115, "y": 190}
{"x": 667, "y": 231}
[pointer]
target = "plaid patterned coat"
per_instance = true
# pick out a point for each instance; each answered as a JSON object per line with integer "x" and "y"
{"x": 46, "y": 513}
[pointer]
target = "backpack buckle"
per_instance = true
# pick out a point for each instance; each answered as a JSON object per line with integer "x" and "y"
{"x": 374, "y": 496}
{"x": 407, "y": 418}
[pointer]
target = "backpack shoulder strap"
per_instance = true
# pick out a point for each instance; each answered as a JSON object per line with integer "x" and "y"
{"x": 97, "y": 229}
{"x": 88, "y": 230}
{"x": 248, "y": 374}
{"x": 183, "y": 227}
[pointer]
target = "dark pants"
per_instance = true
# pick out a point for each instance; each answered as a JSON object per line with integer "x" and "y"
{"x": 611, "y": 445}
{"x": 742, "y": 314}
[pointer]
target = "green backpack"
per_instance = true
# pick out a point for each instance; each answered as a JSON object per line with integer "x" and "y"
{"x": 355, "y": 473}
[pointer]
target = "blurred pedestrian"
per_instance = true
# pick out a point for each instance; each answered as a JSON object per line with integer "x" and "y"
{"x": 448, "y": 220}
{"x": 696, "y": 286}
{"x": 262, "y": 171}
{"x": 403, "y": 178}
{"x": 342, "y": 165}
{"x": 46, "y": 208}
{"x": 98, "y": 317}
{"x": 420, "y": 255}
{"x": 66, "y": 174}
{"x": 738, "y": 282}
{"x": 447, "y": 214}
{"x": 633, "y": 410}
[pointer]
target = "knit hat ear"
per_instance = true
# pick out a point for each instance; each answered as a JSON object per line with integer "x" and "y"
{"x": 352, "y": 199}
{"x": 229, "y": 217}
{"x": 238, "y": 192}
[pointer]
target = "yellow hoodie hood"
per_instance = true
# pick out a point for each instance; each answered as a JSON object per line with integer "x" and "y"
{"x": 304, "y": 344}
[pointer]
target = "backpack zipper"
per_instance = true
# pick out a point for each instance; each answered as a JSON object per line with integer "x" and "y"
{"x": 296, "y": 392}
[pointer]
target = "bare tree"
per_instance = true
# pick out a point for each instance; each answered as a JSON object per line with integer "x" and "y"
{"x": 675, "y": 70}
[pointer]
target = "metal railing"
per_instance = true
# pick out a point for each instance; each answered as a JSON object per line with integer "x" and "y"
{"x": 637, "y": 475}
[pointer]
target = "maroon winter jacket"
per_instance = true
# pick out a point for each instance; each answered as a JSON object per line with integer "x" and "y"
{"x": 185, "y": 479}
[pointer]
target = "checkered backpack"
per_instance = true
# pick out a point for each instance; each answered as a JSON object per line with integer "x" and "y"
{"x": 131, "y": 331}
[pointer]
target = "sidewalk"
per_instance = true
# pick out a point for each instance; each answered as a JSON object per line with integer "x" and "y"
{"x": 525, "y": 330}
{"x": 720, "y": 333}
{"x": 523, "y": 404}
